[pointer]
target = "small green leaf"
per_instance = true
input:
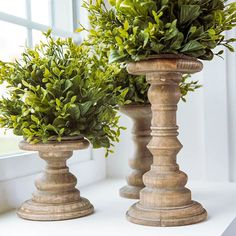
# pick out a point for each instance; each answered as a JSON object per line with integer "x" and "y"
{"x": 79, "y": 30}
{"x": 56, "y": 71}
{"x": 192, "y": 46}
{"x": 58, "y": 102}
{"x": 115, "y": 56}
{"x": 189, "y": 13}
{"x": 118, "y": 40}
{"x": 126, "y": 25}
{"x": 68, "y": 85}
{"x": 84, "y": 107}
{"x": 35, "y": 119}
{"x": 73, "y": 99}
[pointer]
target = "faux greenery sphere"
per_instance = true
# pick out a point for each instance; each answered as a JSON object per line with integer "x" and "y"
{"x": 54, "y": 92}
{"x": 137, "y": 86}
{"x": 133, "y": 88}
{"x": 136, "y": 29}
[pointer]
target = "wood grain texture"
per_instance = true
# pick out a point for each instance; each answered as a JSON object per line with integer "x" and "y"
{"x": 56, "y": 197}
{"x": 165, "y": 201}
{"x": 141, "y": 161}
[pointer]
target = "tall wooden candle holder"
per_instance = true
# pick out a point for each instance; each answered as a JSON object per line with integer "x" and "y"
{"x": 165, "y": 201}
{"x": 142, "y": 159}
{"x": 56, "y": 197}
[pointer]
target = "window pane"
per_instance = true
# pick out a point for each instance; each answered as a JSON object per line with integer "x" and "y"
{"x": 40, "y": 11}
{"x": 11, "y": 46}
{"x": 9, "y": 143}
{"x": 63, "y": 15}
{"x": 37, "y": 37}
{"x": 12, "y": 41}
{"x": 13, "y": 7}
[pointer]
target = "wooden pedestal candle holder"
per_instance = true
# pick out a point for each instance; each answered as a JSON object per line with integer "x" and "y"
{"x": 165, "y": 201}
{"x": 142, "y": 159}
{"x": 56, "y": 197}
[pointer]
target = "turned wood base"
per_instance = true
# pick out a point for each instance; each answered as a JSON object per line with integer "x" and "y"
{"x": 131, "y": 192}
{"x": 163, "y": 217}
{"x": 56, "y": 197}
{"x": 31, "y": 210}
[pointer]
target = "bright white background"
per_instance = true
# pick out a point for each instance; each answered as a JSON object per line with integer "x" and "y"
{"x": 207, "y": 130}
{"x": 207, "y": 124}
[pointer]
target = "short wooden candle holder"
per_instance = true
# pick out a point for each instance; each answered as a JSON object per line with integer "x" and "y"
{"x": 56, "y": 197}
{"x": 165, "y": 201}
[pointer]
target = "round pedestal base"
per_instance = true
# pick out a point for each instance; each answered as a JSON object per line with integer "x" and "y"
{"x": 162, "y": 217}
{"x": 131, "y": 192}
{"x": 31, "y": 210}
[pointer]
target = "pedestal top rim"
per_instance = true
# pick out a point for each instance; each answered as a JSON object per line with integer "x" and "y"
{"x": 165, "y": 63}
{"x": 136, "y": 111}
{"x": 65, "y": 145}
{"x": 134, "y": 106}
{"x": 170, "y": 56}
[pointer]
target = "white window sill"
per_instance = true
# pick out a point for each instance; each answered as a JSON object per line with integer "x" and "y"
{"x": 109, "y": 217}
{"x": 28, "y": 163}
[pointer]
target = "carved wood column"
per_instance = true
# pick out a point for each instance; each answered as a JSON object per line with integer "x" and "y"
{"x": 165, "y": 201}
{"x": 141, "y": 161}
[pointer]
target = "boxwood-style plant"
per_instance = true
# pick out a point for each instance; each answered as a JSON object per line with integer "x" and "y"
{"x": 136, "y": 29}
{"x": 132, "y": 88}
{"x": 53, "y": 92}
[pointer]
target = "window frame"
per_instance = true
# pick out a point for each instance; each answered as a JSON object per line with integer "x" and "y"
{"x": 30, "y": 25}
{"x": 21, "y": 168}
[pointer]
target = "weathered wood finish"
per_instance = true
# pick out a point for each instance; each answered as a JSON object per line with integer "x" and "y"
{"x": 56, "y": 197}
{"x": 165, "y": 201}
{"x": 141, "y": 161}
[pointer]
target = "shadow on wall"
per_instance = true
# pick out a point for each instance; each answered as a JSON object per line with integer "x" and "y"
{"x": 117, "y": 163}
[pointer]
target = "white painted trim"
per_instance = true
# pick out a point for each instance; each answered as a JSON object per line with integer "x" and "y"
{"x": 83, "y": 18}
{"x": 216, "y": 117}
{"x": 231, "y": 97}
{"x": 29, "y": 18}
{"x": 75, "y": 13}
{"x": 24, "y": 164}
{"x": 34, "y": 25}
{"x": 51, "y": 13}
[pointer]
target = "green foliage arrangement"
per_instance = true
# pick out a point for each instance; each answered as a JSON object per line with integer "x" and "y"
{"x": 137, "y": 87}
{"x": 136, "y": 29}
{"x": 132, "y": 88}
{"x": 54, "y": 92}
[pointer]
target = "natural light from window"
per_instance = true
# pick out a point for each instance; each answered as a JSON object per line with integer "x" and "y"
{"x": 20, "y": 24}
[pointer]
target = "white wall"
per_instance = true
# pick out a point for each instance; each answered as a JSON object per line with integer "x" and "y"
{"x": 207, "y": 127}
{"x": 231, "y": 100}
